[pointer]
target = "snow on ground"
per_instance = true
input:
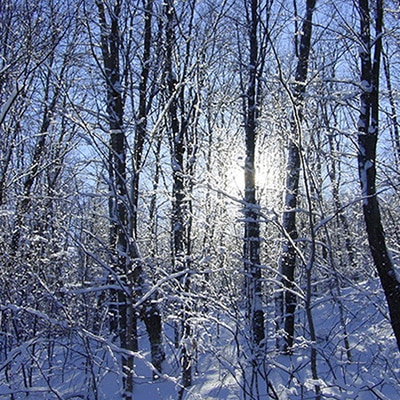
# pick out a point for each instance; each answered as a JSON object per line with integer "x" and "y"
{"x": 80, "y": 367}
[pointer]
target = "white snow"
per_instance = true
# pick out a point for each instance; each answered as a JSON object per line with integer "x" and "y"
{"x": 81, "y": 362}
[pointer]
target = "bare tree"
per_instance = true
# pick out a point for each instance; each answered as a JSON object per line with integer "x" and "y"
{"x": 124, "y": 249}
{"x": 149, "y": 310}
{"x": 368, "y": 131}
{"x": 252, "y": 238}
{"x": 182, "y": 120}
{"x": 287, "y": 299}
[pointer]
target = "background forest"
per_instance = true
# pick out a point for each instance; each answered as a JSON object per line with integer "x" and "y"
{"x": 199, "y": 199}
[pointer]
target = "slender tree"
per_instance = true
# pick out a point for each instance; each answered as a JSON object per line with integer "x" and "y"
{"x": 252, "y": 264}
{"x": 287, "y": 299}
{"x": 182, "y": 119}
{"x": 149, "y": 310}
{"x": 368, "y": 131}
{"x": 124, "y": 249}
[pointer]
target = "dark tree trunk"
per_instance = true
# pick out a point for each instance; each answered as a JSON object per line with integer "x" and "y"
{"x": 252, "y": 267}
{"x": 367, "y": 142}
{"x": 287, "y": 300}
{"x": 122, "y": 263}
{"x": 180, "y": 219}
{"x": 149, "y": 310}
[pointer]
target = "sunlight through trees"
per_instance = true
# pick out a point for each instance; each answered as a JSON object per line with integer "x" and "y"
{"x": 199, "y": 199}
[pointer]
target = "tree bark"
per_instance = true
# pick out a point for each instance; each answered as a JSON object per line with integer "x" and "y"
{"x": 287, "y": 300}
{"x": 123, "y": 265}
{"x": 149, "y": 310}
{"x": 178, "y": 123}
{"x": 368, "y": 130}
{"x": 251, "y": 247}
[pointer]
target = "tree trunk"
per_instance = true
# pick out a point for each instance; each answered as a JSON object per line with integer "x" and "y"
{"x": 149, "y": 310}
{"x": 287, "y": 300}
{"x": 251, "y": 247}
{"x": 118, "y": 202}
{"x": 367, "y": 142}
{"x": 180, "y": 194}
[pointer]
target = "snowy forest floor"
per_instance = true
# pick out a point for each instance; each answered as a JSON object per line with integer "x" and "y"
{"x": 84, "y": 366}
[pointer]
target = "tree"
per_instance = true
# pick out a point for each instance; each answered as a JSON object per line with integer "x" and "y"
{"x": 149, "y": 310}
{"x": 287, "y": 299}
{"x": 124, "y": 248}
{"x": 252, "y": 264}
{"x": 36, "y": 140}
{"x": 368, "y": 131}
{"x": 182, "y": 98}
{"x": 123, "y": 204}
